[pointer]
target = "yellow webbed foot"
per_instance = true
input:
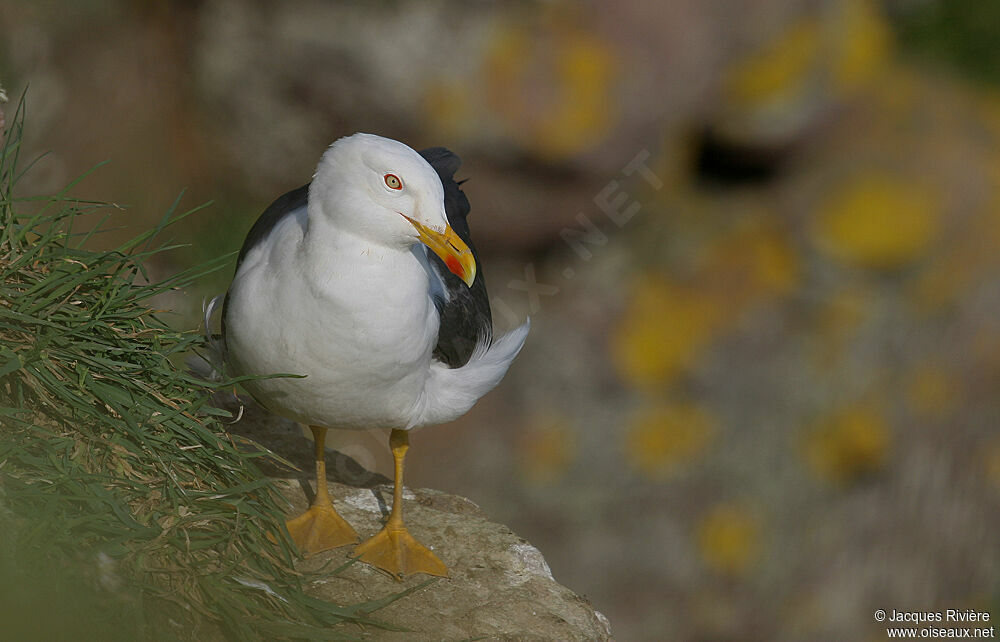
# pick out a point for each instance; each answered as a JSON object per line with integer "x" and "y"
{"x": 319, "y": 529}
{"x": 394, "y": 550}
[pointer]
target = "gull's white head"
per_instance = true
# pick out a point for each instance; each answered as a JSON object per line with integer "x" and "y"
{"x": 385, "y": 192}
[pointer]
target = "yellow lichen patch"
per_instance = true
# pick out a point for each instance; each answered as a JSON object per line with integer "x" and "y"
{"x": 877, "y": 221}
{"x": 863, "y": 42}
{"x": 848, "y": 445}
{"x": 665, "y": 327}
{"x": 584, "y": 116}
{"x": 729, "y": 538}
{"x": 754, "y": 261}
{"x": 930, "y": 392}
{"x": 448, "y": 109}
{"x": 546, "y": 449}
{"x": 838, "y": 50}
{"x": 664, "y": 437}
{"x": 502, "y": 68}
{"x": 551, "y": 89}
{"x": 781, "y": 67}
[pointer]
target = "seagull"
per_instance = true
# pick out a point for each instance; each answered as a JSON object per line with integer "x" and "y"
{"x": 365, "y": 282}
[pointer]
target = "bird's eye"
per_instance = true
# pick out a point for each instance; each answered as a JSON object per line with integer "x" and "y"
{"x": 393, "y": 181}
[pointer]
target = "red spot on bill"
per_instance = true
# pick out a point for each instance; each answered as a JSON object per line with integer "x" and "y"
{"x": 455, "y": 267}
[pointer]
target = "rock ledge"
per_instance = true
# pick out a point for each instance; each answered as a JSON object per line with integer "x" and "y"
{"x": 500, "y": 587}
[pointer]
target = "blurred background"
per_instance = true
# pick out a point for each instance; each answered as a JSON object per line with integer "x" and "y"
{"x": 758, "y": 240}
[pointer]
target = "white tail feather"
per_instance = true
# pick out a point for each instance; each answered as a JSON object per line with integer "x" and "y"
{"x": 212, "y": 366}
{"x": 450, "y": 392}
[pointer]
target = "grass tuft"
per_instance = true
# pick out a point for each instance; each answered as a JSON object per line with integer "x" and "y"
{"x": 126, "y": 511}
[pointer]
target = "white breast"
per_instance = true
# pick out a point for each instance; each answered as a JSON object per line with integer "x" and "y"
{"x": 355, "y": 319}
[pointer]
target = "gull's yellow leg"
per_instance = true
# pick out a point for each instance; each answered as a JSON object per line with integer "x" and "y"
{"x": 320, "y": 528}
{"x": 393, "y": 549}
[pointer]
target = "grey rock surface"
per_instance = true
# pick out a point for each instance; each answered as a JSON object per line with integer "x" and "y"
{"x": 500, "y": 586}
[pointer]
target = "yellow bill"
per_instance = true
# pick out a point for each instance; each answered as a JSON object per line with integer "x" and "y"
{"x": 450, "y": 248}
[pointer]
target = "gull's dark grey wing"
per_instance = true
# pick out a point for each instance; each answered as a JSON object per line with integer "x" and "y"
{"x": 465, "y": 312}
{"x": 285, "y": 205}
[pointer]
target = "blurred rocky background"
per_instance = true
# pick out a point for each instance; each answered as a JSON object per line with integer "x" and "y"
{"x": 758, "y": 241}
